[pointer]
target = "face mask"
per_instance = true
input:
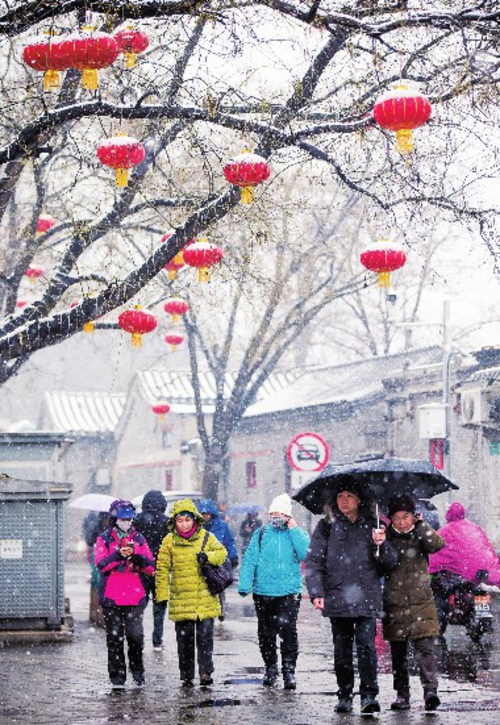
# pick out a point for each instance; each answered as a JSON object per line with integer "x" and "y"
{"x": 278, "y": 522}
{"x": 124, "y": 524}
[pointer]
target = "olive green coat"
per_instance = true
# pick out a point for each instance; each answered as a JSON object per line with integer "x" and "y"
{"x": 178, "y": 577}
{"x": 409, "y": 608}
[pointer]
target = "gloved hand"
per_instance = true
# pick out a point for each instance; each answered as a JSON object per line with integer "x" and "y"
{"x": 137, "y": 560}
{"x": 202, "y": 557}
{"x": 235, "y": 562}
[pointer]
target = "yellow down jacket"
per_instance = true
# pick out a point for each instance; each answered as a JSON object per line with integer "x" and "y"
{"x": 178, "y": 576}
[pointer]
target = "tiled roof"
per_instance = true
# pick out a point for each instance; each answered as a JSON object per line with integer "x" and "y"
{"x": 84, "y": 412}
{"x": 342, "y": 383}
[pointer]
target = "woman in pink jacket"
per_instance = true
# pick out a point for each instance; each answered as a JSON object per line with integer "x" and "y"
{"x": 467, "y": 549}
{"x": 122, "y": 557}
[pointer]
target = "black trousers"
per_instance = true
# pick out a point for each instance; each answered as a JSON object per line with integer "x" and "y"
{"x": 345, "y": 631}
{"x": 424, "y": 653}
{"x": 121, "y": 623}
{"x": 187, "y": 631}
{"x": 277, "y": 616}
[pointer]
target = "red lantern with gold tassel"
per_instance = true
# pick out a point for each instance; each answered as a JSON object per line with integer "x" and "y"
{"x": 89, "y": 51}
{"x": 33, "y": 273}
{"x": 402, "y": 110}
{"x": 138, "y": 323}
{"x": 173, "y": 339}
{"x": 44, "y": 223}
{"x": 176, "y": 263}
{"x": 247, "y": 170}
{"x": 121, "y": 153}
{"x": 176, "y": 307}
{"x": 48, "y": 56}
{"x": 131, "y": 42}
{"x": 160, "y": 409}
{"x": 202, "y": 255}
{"x": 383, "y": 258}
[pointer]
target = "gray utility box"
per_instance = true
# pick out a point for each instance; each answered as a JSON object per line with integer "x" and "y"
{"x": 32, "y": 554}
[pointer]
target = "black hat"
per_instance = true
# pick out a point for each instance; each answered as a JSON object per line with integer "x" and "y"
{"x": 352, "y": 487}
{"x": 401, "y": 503}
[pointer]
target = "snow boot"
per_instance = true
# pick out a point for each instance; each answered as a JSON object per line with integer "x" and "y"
{"x": 270, "y": 676}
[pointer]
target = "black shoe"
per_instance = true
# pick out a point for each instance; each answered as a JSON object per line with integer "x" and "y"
{"x": 139, "y": 680}
{"x": 431, "y": 701}
{"x": 270, "y": 676}
{"x": 344, "y": 705}
{"x": 206, "y": 680}
{"x": 187, "y": 683}
{"x": 402, "y": 702}
{"x": 369, "y": 705}
{"x": 289, "y": 680}
{"x": 117, "y": 686}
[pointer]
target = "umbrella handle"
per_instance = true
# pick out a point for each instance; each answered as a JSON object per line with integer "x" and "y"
{"x": 377, "y": 514}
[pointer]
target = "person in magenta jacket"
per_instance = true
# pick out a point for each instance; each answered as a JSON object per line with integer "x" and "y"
{"x": 467, "y": 549}
{"x": 123, "y": 558}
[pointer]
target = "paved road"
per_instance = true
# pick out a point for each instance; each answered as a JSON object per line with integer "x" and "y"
{"x": 67, "y": 683}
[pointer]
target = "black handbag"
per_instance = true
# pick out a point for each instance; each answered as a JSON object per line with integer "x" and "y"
{"x": 218, "y": 578}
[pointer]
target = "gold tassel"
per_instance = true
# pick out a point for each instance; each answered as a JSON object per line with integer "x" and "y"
{"x": 136, "y": 339}
{"x": 51, "y": 80}
{"x": 121, "y": 176}
{"x": 89, "y": 327}
{"x": 404, "y": 140}
{"x": 384, "y": 279}
{"x": 247, "y": 195}
{"x": 130, "y": 59}
{"x": 203, "y": 274}
{"x": 90, "y": 79}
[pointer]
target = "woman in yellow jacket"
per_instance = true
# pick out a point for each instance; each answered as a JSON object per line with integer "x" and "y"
{"x": 180, "y": 582}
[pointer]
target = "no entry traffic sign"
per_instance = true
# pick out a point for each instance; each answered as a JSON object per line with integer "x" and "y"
{"x": 308, "y": 452}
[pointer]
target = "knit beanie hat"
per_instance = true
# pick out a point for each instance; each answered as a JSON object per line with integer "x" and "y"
{"x": 281, "y": 504}
{"x": 401, "y": 503}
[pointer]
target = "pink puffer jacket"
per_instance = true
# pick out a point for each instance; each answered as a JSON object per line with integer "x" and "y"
{"x": 467, "y": 549}
{"x": 121, "y": 583}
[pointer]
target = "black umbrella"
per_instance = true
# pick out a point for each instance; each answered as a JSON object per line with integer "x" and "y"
{"x": 377, "y": 480}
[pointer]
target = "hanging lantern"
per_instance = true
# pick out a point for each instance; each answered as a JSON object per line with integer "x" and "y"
{"x": 131, "y": 42}
{"x": 176, "y": 262}
{"x": 202, "y": 254}
{"x": 89, "y": 51}
{"x": 173, "y": 339}
{"x": 121, "y": 153}
{"x": 138, "y": 323}
{"x": 44, "y": 223}
{"x": 20, "y": 304}
{"x": 402, "y": 110}
{"x": 33, "y": 273}
{"x": 383, "y": 258}
{"x": 247, "y": 170}
{"x": 160, "y": 409}
{"x": 48, "y": 56}
{"x": 176, "y": 307}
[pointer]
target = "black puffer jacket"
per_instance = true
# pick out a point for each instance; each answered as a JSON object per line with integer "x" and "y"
{"x": 152, "y": 522}
{"x": 342, "y": 568}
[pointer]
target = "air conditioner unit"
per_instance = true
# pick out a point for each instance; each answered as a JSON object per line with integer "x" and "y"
{"x": 474, "y": 407}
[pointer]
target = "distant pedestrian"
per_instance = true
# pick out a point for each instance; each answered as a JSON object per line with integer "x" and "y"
{"x": 248, "y": 527}
{"x": 180, "y": 582}
{"x": 123, "y": 558}
{"x": 152, "y": 523}
{"x": 409, "y": 608}
{"x": 94, "y": 524}
{"x": 346, "y": 558}
{"x": 213, "y": 523}
{"x": 271, "y": 570}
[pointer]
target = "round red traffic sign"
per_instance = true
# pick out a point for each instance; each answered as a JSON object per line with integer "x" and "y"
{"x": 308, "y": 452}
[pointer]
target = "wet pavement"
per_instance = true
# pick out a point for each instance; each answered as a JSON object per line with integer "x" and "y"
{"x": 68, "y": 684}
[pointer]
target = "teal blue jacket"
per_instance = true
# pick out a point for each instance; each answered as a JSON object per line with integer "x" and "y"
{"x": 271, "y": 565}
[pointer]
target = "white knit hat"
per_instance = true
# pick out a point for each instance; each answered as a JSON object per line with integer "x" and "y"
{"x": 281, "y": 504}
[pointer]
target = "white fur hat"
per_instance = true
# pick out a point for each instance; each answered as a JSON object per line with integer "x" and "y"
{"x": 281, "y": 504}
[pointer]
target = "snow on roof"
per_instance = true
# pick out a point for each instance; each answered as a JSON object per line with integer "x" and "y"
{"x": 338, "y": 384}
{"x": 485, "y": 375}
{"x": 85, "y": 412}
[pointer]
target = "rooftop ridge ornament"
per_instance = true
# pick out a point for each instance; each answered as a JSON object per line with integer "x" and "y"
{"x": 402, "y": 110}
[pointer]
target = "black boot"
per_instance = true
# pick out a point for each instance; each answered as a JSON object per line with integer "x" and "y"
{"x": 270, "y": 676}
{"x": 289, "y": 676}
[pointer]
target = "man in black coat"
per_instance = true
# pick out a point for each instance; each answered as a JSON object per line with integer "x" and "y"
{"x": 346, "y": 558}
{"x": 152, "y": 524}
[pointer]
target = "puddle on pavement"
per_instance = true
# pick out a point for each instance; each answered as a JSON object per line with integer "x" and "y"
{"x": 243, "y": 681}
{"x": 219, "y": 702}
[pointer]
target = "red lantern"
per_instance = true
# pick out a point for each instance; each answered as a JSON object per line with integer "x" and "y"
{"x": 383, "y": 258}
{"x": 160, "y": 409}
{"x": 247, "y": 170}
{"x": 44, "y": 223}
{"x": 32, "y": 273}
{"x": 202, "y": 254}
{"x": 176, "y": 307}
{"x": 89, "y": 51}
{"x": 121, "y": 153}
{"x": 131, "y": 42}
{"x": 138, "y": 323}
{"x": 50, "y": 57}
{"x": 176, "y": 263}
{"x": 20, "y": 304}
{"x": 173, "y": 339}
{"x": 402, "y": 110}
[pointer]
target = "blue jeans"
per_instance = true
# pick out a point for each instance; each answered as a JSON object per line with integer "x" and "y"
{"x": 345, "y": 631}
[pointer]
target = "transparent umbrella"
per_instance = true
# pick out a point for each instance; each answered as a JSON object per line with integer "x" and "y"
{"x": 93, "y": 502}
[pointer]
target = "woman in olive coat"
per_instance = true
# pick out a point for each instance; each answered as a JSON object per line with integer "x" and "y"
{"x": 180, "y": 582}
{"x": 409, "y": 608}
